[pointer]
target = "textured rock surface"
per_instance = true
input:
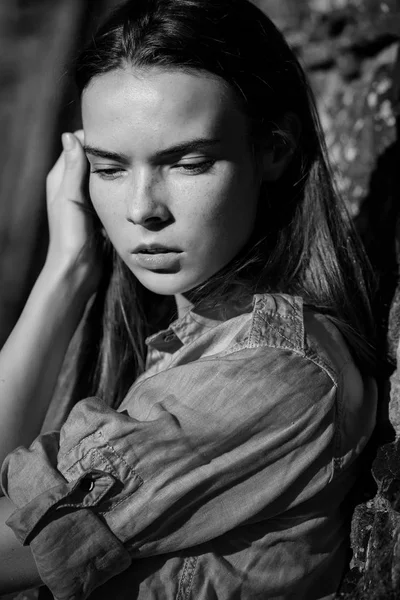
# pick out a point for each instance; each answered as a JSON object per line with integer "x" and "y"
{"x": 375, "y": 568}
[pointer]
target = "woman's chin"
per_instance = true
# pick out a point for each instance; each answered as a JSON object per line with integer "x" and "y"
{"x": 166, "y": 284}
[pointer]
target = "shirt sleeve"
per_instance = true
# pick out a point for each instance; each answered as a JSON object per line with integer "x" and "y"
{"x": 199, "y": 450}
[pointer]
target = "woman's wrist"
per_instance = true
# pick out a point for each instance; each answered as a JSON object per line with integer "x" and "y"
{"x": 75, "y": 281}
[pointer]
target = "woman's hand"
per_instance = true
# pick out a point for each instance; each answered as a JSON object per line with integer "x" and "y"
{"x": 73, "y": 239}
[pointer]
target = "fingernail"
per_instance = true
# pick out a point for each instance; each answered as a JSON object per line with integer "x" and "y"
{"x": 68, "y": 141}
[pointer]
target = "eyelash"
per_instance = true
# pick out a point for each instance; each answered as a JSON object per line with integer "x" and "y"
{"x": 106, "y": 173}
{"x": 192, "y": 168}
{"x": 197, "y": 168}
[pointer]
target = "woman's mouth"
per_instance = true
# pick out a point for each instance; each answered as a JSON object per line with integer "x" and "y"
{"x": 157, "y": 258}
{"x": 159, "y": 250}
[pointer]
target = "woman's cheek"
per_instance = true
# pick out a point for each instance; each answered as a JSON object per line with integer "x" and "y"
{"x": 100, "y": 200}
{"x": 211, "y": 196}
{"x": 94, "y": 196}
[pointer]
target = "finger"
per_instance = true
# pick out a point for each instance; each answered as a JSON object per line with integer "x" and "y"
{"x": 55, "y": 176}
{"x": 57, "y": 170}
{"x": 75, "y": 164}
{"x": 79, "y": 133}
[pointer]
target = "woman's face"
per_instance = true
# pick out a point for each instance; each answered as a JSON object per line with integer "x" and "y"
{"x": 173, "y": 179}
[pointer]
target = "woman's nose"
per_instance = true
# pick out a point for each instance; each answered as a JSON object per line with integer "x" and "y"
{"x": 146, "y": 203}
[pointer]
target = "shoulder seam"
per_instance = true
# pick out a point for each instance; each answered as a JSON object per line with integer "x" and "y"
{"x": 283, "y": 315}
{"x": 251, "y": 346}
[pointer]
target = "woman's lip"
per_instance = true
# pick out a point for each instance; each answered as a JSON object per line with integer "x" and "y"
{"x": 163, "y": 260}
{"x": 154, "y": 249}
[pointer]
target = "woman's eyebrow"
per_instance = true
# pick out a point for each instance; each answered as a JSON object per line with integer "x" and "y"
{"x": 105, "y": 154}
{"x": 182, "y": 148}
{"x": 189, "y": 146}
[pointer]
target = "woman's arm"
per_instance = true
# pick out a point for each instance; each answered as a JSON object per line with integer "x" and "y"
{"x": 32, "y": 357}
{"x": 18, "y": 569}
{"x": 216, "y": 445}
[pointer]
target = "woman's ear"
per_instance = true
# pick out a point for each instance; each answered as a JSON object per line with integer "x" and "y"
{"x": 277, "y": 155}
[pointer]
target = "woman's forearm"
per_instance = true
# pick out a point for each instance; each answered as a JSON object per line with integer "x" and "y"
{"x": 31, "y": 359}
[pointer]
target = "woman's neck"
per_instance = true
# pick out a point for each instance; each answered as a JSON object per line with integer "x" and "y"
{"x": 183, "y": 305}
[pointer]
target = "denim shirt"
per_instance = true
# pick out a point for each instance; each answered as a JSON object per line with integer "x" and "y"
{"x": 221, "y": 475}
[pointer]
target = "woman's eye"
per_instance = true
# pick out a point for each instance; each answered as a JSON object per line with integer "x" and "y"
{"x": 110, "y": 173}
{"x": 196, "y": 168}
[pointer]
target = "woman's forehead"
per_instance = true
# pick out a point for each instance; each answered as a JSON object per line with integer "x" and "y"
{"x": 159, "y": 107}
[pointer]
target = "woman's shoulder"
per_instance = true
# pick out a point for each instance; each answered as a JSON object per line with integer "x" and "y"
{"x": 285, "y": 322}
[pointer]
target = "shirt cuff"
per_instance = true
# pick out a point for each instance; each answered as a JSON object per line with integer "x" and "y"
{"x": 74, "y": 549}
{"x": 76, "y": 554}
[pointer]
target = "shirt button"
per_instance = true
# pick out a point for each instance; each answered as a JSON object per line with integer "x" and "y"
{"x": 86, "y": 485}
{"x": 168, "y": 337}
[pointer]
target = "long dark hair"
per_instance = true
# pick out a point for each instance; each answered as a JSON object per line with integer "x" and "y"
{"x": 304, "y": 243}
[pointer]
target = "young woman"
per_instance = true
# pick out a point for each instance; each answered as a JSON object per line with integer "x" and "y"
{"x": 214, "y": 460}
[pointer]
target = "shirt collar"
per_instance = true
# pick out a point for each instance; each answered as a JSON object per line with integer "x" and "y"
{"x": 194, "y": 323}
